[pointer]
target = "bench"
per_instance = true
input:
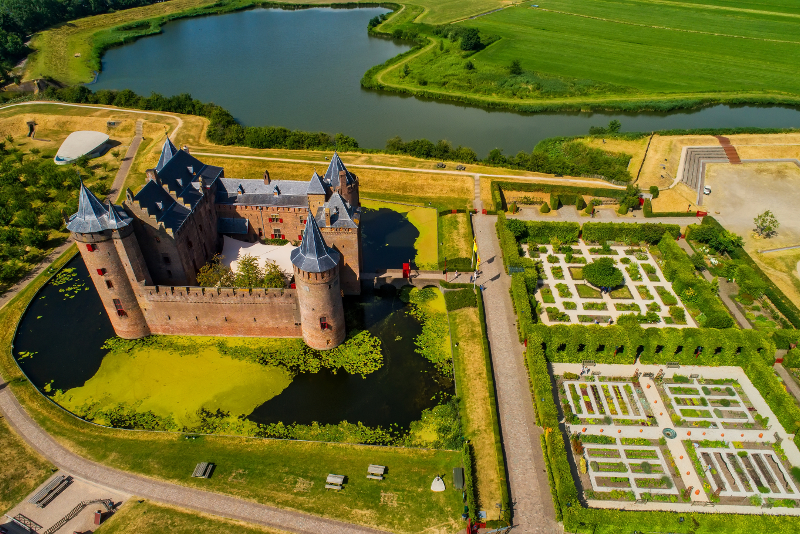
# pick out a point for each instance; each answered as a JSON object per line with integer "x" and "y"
{"x": 47, "y": 494}
{"x": 203, "y": 470}
{"x": 458, "y": 477}
{"x": 376, "y": 472}
{"x": 334, "y": 482}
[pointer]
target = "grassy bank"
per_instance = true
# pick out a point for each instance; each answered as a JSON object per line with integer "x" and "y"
{"x": 145, "y": 517}
{"x": 424, "y": 220}
{"x": 613, "y": 54}
{"x": 281, "y": 473}
{"x": 21, "y": 469}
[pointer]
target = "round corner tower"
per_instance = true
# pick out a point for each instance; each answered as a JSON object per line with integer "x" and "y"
{"x": 106, "y": 240}
{"x": 319, "y": 295}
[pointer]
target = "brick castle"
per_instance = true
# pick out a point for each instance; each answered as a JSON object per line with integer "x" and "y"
{"x": 144, "y": 256}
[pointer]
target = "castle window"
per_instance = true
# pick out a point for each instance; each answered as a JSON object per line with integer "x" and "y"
{"x": 90, "y": 247}
{"x": 101, "y": 272}
{"x": 166, "y": 259}
{"x": 274, "y": 218}
{"x": 109, "y": 284}
{"x": 323, "y": 323}
{"x": 189, "y": 243}
{"x": 120, "y": 309}
{"x": 260, "y": 233}
{"x": 169, "y": 273}
{"x": 200, "y": 226}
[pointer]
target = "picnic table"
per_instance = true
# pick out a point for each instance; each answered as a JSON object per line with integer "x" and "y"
{"x": 334, "y": 482}
{"x": 376, "y": 472}
{"x": 203, "y": 470}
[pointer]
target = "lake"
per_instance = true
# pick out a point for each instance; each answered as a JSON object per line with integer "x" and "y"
{"x": 302, "y": 70}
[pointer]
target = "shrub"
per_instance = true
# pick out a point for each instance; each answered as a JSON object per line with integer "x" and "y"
{"x": 678, "y": 314}
{"x": 580, "y": 203}
{"x": 796, "y": 473}
{"x": 629, "y": 232}
{"x": 462, "y": 298}
{"x": 647, "y": 468}
{"x": 545, "y": 208}
{"x": 654, "y": 191}
{"x": 602, "y": 273}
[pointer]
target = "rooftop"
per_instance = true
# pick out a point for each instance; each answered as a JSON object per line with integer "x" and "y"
{"x": 79, "y": 144}
{"x": 313, "y": 255}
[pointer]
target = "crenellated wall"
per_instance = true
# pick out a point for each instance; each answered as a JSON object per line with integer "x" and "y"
{"x": 206, "y": 311}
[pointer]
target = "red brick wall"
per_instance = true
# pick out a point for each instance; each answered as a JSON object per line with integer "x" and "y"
{"x": 319, "y": 295}
{"x": 221, "y": 312}
{"x": 347, "y": 241}
{"x": 288, "y": 220}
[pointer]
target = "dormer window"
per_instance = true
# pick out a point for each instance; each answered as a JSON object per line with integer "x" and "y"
{"x": 190, "y": 169}
{"x": 160, "y": 205}
{"x": 180, "y": 182}
{"x": 240, "y": 189}
{"x": 276, "y": 191}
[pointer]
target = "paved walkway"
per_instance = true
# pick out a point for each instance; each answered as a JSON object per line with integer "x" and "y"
{"x": 165, "y": 492}
{"x": 12, "y": 292}
{"x": 530, "y": 491}
{"x": 127, "y": 161}
{"x": 788, "y": 381}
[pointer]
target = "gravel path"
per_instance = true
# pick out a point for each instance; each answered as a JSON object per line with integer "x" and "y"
{"x": 530, "y": 492}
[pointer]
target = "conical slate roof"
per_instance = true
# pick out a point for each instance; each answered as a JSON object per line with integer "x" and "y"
{"x": 315, "y": 186}
{"x": 313, "y": 255}
{"x": 332, "y": 174}
{"x": 92, "y": 216}
{"x": 167, "y": 151}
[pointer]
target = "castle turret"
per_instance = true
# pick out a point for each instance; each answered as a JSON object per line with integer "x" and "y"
{"x": 316, "y": 275}
{"x": 111, "y": 253}
{"x": 342, "y": 181}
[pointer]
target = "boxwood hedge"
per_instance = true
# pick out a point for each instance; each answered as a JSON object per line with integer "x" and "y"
{"x": 650, "y": 233}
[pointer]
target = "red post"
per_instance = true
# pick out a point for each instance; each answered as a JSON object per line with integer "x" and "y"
{"x": 406, "y": 270}
{"x": 484, "y": 211}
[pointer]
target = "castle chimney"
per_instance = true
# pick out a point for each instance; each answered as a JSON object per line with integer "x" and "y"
{"x": 266, "y": 177}
{"x": 327, "y": 217}
{"x": 342, "y": 180}
{"x": 152, "y": 175}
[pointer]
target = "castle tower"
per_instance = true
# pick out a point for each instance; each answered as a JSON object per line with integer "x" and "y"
{"x": 316, "y": 275}
{"x": 342, "y": 181}
{"x": 111, "y": 253}
{"x": 317, "y": 193}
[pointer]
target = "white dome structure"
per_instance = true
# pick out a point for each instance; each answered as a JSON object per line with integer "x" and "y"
{"x": 77, "y": 144}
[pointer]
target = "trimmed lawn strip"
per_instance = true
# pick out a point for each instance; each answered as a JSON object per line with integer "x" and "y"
{"x": 269, "y": 470}
{"x": 588, "y": 292}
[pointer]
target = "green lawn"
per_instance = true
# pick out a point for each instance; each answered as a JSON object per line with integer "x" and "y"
{"x": 588, "y": 292}
{"x": 424, "y": 220}
{"x": 591, "y": 50}
{"x": 287, "y": 474}
{"x": 21, "y": 469}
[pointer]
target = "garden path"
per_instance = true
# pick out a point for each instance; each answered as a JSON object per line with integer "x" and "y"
{"x": 165, "y": 492}
{"x": 530, "y": 491}
{"x": 127, "y": 161}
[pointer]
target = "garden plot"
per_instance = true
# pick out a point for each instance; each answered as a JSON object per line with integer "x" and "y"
{"x": 744, "y": 472}
{"x": 718, "y": 405}
{"x": 636, "y": 468}
{"x": 617, "y": 400}
{"x": 567, "y": 298}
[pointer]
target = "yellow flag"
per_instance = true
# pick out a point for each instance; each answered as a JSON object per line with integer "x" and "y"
{"x": 474, "y": 246}
{"x": 478, "y": 263}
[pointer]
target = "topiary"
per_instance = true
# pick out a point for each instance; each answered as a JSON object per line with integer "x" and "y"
{"x": 545, "y": 208}
{"x": 580, "y": 203}
{"x": 654, "y": 191}
{"x": 602, "y": 273}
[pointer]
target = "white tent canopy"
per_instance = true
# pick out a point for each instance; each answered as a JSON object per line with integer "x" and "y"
{"x": 233, "y": 250}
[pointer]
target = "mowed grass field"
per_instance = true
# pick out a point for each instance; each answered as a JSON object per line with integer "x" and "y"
{"x": 21, "y": 469}
{"x": 612, "y": 51}
{"x": 651, "y": 46}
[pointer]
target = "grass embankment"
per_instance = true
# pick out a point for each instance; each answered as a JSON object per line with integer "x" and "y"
{"x": 166, "y": 383}
{"x": 637, "y": 54}
{"x": 424, "y": 220}
{"x": 21, "y": 469}
{"x": 281, "y": 473}
{"x": 145, "y": 517}
{"x": 455, "y": 236}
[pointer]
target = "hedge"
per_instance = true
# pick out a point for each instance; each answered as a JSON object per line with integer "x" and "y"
{"x": 679, "y": 269}
{"x": 792, "y": 359}
{"x": 541, "y": 232}
{"x": 469, "y": 484}
{"x": 522, "y": 305}
{"x": 461, "y": 298}
{"x": 632, "y": 233}
{"x": 561, "y": 190}
{"x": 647, "y": 208}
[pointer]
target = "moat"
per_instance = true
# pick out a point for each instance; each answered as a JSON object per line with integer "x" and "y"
{"x": 59, "y": 339}
{"x": 301, "y": 70}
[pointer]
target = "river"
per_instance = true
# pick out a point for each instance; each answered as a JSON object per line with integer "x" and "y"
{"x": 302, "y": 70}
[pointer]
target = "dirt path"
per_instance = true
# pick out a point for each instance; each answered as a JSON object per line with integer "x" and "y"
{"x": 127, "y": 161}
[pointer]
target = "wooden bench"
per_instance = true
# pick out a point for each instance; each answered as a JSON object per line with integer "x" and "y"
{"x": 334, "y": 482}
{"x": 203, "y": 470}
{"x": 376, "y": 472}
{"x": 458, "y": 477}
{"x": 47, "y": 494}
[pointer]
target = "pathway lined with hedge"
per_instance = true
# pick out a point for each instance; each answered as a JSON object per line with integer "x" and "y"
{"x": 533, "y": 510}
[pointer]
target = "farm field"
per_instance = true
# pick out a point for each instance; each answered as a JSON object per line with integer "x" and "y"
{"x": 626, "y": 49}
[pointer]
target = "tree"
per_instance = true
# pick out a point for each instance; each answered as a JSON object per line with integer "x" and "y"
{"x": 614, "y": 126}
{"x": 516, "y": 68}
{"x": 654, "y": 191}
{"x": 248, "y": 272}
{"x": 469, "y": 65}
{"x": 603, "y": 273}
{"x": 766, "y": 224}
{"x": 215, "y": 274}
{"x": 545, "y": 208}
{"x": 273, "y": 276}
{"x": 698, "y": 261}
{"x": 470, "y": 39}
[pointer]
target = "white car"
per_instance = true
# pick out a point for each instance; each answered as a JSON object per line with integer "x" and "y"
{"x": 707, "y": 190}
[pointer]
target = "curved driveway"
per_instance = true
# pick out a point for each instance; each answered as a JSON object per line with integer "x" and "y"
{"x": 165, "y": 492}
